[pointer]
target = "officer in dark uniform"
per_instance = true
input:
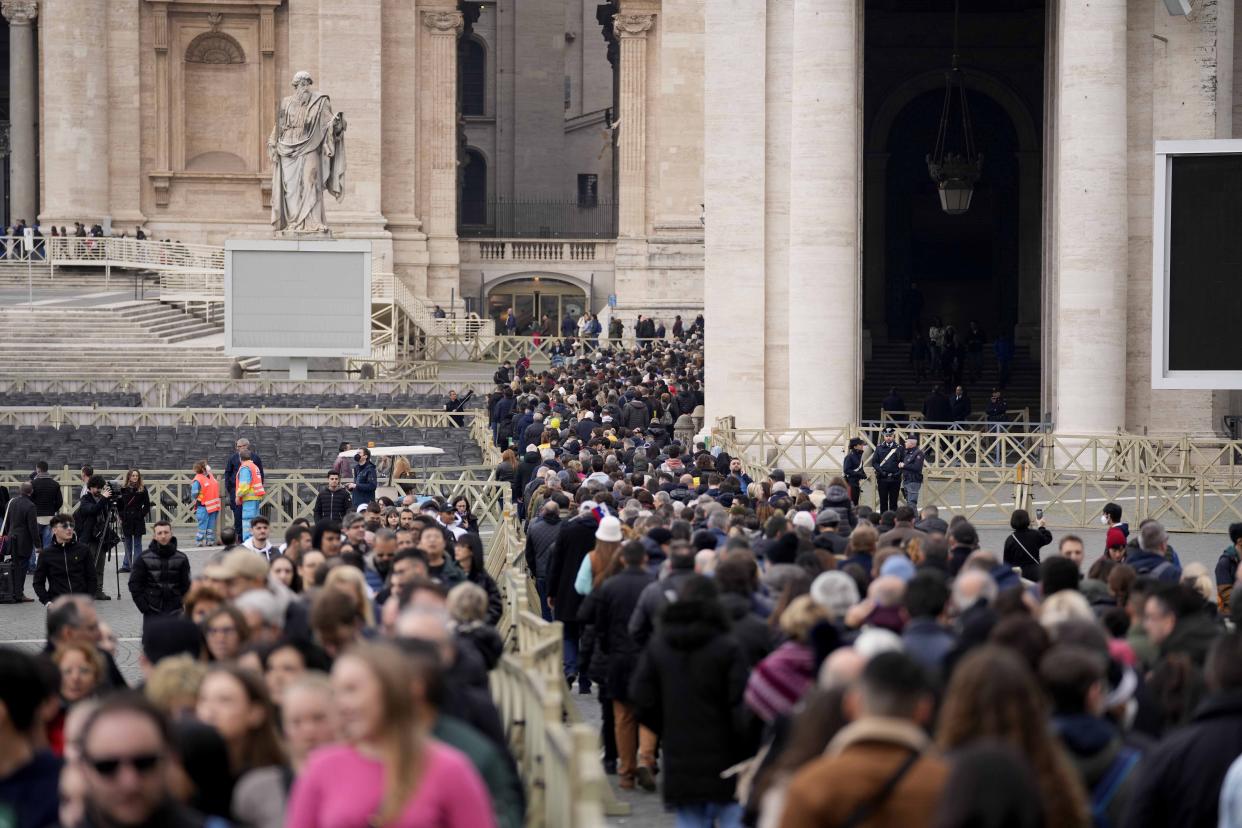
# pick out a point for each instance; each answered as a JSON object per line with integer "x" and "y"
{"x": 887, "y": 464}
{"x": 853, "y": 469}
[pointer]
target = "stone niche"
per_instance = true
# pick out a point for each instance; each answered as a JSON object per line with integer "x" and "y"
{"x": 215, "y": 98}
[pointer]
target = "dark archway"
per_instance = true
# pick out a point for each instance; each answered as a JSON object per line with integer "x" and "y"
{"x": 474, "y": 190}
{"x": 472, "y": 71}
{"x": 966, "y": 266}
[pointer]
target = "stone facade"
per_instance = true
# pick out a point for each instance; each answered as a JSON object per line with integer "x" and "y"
{"x": 742, "y": 162}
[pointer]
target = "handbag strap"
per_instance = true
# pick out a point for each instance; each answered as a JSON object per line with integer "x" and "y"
{"x": 1034, "y": 559}
{"x": 4, "y": 523}
{"x": 868, "y": 807}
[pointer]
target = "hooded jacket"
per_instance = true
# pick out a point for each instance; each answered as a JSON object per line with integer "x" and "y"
{"x": 1096, "y": 749}
{"x": 688, "y": 688}
{"x": 160, "y": 579}
{"x": 635, "y": 414}
{"x": 541, "y": 543}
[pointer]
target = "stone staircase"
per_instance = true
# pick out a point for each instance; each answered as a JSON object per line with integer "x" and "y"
{"x": 890, "y": 367}
{"x": 135, "y": 340}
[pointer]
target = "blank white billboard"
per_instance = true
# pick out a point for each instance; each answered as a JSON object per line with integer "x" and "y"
{"x": 297, "y": 298}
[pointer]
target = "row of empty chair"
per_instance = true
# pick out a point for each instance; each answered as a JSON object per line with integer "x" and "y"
{"x": 381, "y": 401}
{"x": 179, "y": 447}
{"x": 49, "y": 399}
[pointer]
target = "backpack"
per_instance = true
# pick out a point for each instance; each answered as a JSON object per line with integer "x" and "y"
{"x": 1106, "y": 788}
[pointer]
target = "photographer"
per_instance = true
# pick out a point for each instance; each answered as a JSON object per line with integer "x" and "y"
{"x": 90, "y": 522}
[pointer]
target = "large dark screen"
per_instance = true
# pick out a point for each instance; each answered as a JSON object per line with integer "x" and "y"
{"x": 1205, "y": 264}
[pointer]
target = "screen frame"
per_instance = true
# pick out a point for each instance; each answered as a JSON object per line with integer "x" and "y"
{"x": 1162, "y": 377}
{"x": 330, "y": 246}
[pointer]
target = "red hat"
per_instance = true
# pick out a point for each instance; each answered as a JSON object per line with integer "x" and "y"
{"x": 1115, "y": 538}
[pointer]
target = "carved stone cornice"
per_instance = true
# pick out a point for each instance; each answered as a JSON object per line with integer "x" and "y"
{"x": 444, "y": 22}
{"x": 632, "y": 25}
{"x": 20, "y": 12}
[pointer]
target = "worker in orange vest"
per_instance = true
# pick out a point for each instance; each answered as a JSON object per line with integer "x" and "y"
{"x": 205, "y": 494}
{"x": 249, "y": 491}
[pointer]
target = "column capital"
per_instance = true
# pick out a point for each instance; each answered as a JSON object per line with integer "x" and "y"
{"x": 444, "y": 22}
{"x": 20, "y": 12}
{"x": 632, "y": 24}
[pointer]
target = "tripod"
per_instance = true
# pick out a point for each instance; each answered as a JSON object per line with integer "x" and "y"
{"x": 108, "y": 535}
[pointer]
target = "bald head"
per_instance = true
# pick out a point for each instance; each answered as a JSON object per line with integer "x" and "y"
{"x": 841, "y": 669}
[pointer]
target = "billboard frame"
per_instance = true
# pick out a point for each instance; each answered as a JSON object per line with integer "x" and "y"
{"x": 1162, "y": 377}
{"x": 300, "y": 246}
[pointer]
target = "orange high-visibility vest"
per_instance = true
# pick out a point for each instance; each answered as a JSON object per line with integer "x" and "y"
{"x": 208, "y": 493}
{"x": 256, "y": 482}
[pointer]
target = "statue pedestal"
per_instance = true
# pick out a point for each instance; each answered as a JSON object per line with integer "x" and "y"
{"x": 303, "y": 235}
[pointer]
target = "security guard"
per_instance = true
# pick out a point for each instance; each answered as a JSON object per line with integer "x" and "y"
{"x": 887, "y": 464}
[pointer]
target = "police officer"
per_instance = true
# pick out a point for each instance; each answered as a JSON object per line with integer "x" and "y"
{"x": 911, "y": 466}
{"x": 888, "y": 473}
{"x": 853, "y": 469}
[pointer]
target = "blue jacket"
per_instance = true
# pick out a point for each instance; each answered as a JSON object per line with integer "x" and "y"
{"x": 927, "y": 642}
{"x": 366, "y": 481}
{"x": 913, "y": 470}
{"x": 1155, "y": 565}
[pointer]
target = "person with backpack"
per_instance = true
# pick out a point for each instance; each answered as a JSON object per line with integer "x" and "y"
{"x": 1152, "y": 556}
{"x": 1074, "y": 677}
{"x": 1227, "y": 567}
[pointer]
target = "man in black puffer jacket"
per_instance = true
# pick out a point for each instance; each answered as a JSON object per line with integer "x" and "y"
{"x": 160, "y": 577}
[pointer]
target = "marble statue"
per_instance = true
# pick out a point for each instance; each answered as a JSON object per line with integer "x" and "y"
{"x": 307, "y": 149}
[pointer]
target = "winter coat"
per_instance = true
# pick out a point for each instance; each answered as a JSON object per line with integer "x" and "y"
{"x": 574, "y": 542}
{"x": 609, "y": 608}
{"x": 635, "y": 414}
{"x": 525, "y": 472}
{"x": 1153, "y": 564}
{"x": 927, "y": 642}
{"x": 160, "y": 579}
{"x": 1192, "y": 635}
{"x": 885, "y": 459}
{"x": 541, "y": 537}
{"x": 332, "y": 505}
{"x": 755, "y": 637}
{"x": 366, "y": 481}
{"x": 21, "y": 524}
{"x": 654, "y": 598}
{"x": 1095, "y": 747}
{"x": 1022, "y": 550}
{"x": 135, "y": 508}
{"x": 64, "y": 569}
{"x": 495, "y": 604}
{"x": 47, "y": 495}
{"x": 859, "y": 760}
{"x": 1179, "y": 781}
{"x": 688, "y": 688}
{"x": 936, "y": 409}
{"x": 838, "y": 499}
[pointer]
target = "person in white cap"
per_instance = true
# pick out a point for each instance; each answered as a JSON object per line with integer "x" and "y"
{"x": 599, "y": 564}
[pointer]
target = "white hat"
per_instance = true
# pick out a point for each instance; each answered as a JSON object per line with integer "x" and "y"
{"x": 609, "y": 530}
{"x": 804, "y": 519}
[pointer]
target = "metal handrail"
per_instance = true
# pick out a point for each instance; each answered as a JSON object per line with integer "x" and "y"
{"x": 58, "y": 416}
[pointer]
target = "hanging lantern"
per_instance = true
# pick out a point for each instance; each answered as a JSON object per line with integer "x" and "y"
{"x": 955, "y": 170}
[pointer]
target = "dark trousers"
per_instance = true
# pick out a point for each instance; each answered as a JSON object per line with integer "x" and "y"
{"x": 855, "y": 492}
{"x": 888, "y": 491}
{"x": 607, "y": 726}
{"x": 20, "y": 565}
{"x": 101, "y": 561}
{"x": 237, "y": 518}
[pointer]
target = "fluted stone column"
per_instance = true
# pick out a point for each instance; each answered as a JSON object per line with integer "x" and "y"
{"x": 1091, "y": 223}
{"x": 823, "y": 214}
{"x": 733, "y": 184}
{"x": 440, "y": 141}
{"x": 74, "y": 129}
{"x": 631, "y": 29}
{"x": 23, "y": 108}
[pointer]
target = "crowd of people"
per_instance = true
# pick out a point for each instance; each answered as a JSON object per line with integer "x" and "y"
{"x": 339, "y": 679}
{"x": 763, "y": 651}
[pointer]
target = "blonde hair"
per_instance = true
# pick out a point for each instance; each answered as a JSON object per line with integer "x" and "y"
{"x": 800, "y": 616}
{"x": 91, "y": 654}
{"x": 173, "y": 685}
{"x": 467, "y": 603}
{"x": 1066, "y": 605}
{"x": 351, "y": 580}
{"x": 1195, "y": 575}
{"x": 402, "y": 740}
